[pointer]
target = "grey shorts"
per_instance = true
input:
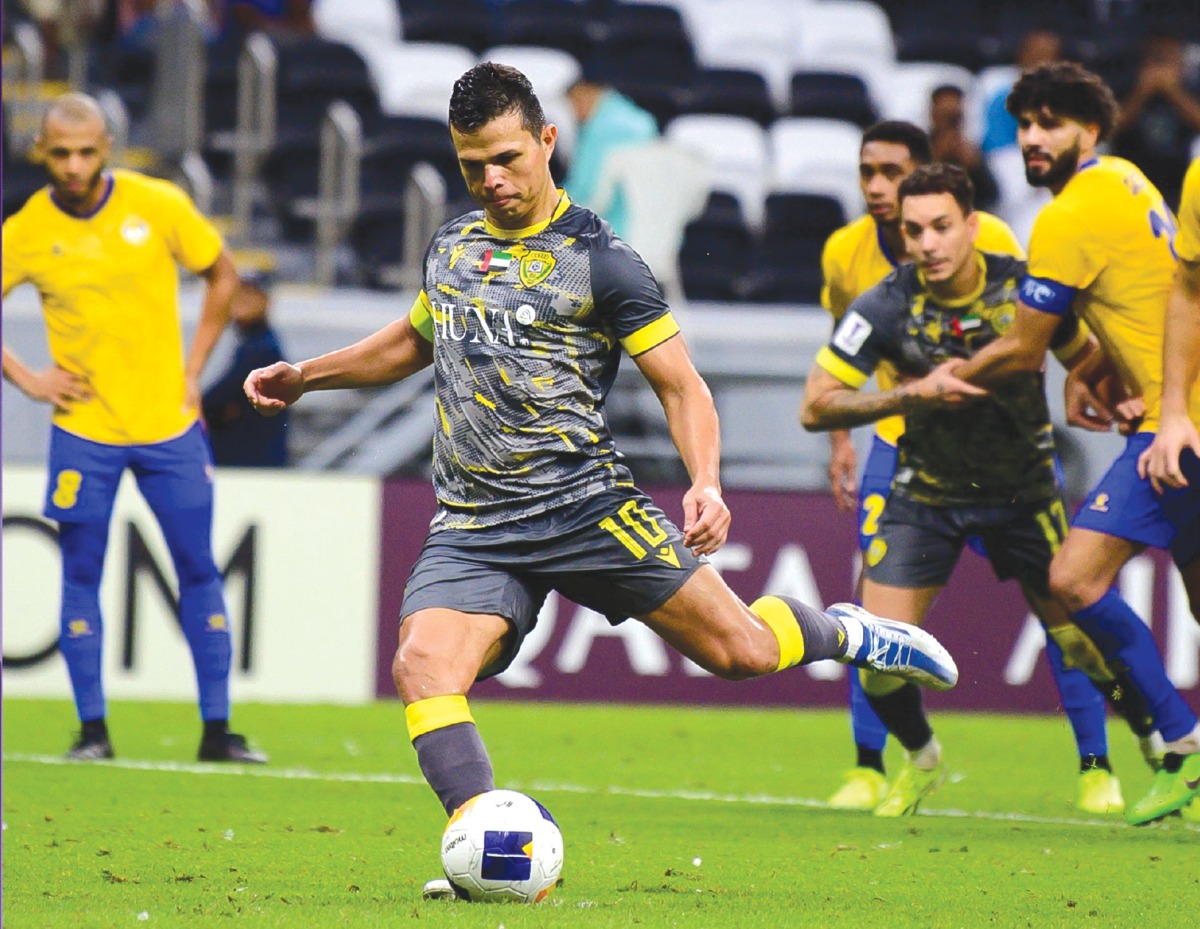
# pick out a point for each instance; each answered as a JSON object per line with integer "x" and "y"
{"x": 615, "y": 553}
{"x": 918, "y": 544}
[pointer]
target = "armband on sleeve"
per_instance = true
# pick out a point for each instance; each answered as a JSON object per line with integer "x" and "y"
{"x": 1045, "y": 295}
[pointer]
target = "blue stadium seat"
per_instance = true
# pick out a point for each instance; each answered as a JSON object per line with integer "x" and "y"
{"x": 377, "y": 239}
{"x": 557, "y": 24}
{"x": 732, "y": 91}
{"x": 715, "y": 251}
{"x": 400, "y": 142}
{"x": 832, "y": 95}
{"x": 312, "y": 74}
{"x": 786, "y": 265}
{"x": 457, "y": 22}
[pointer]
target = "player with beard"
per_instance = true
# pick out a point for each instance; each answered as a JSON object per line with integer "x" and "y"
{"x": 1103, "y": 248}
{"x": 102, "y": 247}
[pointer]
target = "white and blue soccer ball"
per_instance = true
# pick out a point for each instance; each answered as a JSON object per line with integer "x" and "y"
{"x": 502, "y": 846}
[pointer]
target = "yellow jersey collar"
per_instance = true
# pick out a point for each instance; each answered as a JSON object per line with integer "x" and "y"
{"x": 561, "y": 207}
{"x": 968, "y": 299}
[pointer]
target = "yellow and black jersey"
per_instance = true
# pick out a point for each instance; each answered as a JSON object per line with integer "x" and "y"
{"x": 856, "y": 258}
{"x": 999, "y": 449}
{"x": 1104, "y": 249}
{"x": 527, "y": 329}
{"x": 109, "y": 291}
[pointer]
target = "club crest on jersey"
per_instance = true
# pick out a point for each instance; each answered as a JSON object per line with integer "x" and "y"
{"x": 134, "y": 230}
{"x": 535, "y": 267}
{"x": 494, "y": 262}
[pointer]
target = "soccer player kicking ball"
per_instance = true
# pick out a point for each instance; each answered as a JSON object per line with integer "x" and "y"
{"x": 101, "y": 247}
{"x": 525, "y": 308}
{"x": 1102, "y": 248}
{"x": 971, "y": 463}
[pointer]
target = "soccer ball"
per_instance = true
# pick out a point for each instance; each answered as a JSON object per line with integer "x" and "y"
{"x": 502, "y": 845}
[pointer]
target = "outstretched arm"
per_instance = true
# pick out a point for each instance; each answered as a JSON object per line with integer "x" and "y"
{"x": 830, "y": 404}
{"x": 695, "y": 430}
{"x": 384, "y": 357}
{"x": 1021, "y": 349}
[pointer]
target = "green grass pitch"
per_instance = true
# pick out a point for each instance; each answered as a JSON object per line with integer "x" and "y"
{"x": 672, "y": 817}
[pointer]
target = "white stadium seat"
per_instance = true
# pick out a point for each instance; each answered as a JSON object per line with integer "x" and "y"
{"x": 907, "y": 88}
{"x": 817, "y": 156}
{"x": 415, "y": 78}
{"x": 342, "y": 21}
{"x": 736, "y": 151}
{"x": 747, "y": 34}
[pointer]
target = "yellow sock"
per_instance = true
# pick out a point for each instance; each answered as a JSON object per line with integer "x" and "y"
{"x": 783, "y": 623}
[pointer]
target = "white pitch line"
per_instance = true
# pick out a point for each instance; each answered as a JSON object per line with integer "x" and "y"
{"x": 696, "y": 796}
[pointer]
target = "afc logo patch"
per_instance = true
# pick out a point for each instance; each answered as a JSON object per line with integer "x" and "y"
{"x": 852, "y": 333}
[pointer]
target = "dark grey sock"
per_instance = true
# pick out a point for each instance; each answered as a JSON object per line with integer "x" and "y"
{"x": 455, "y": 763}
{"x": 902, "y": 713}
{"x": 823, "y": 635}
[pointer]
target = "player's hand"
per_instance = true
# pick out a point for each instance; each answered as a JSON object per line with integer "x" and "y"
{"x": 843, "y": 471}
{"x": 706, "y": 519}
{"x": 273, "y": 389}
{"x": 60, "y": 387}
{"x": 941, "y": 388}
{"x": 1160, "y": 462}
{"x": 191, "y": 394}
{"x": 1083, "y": 405}
{"x": 1130, "y": 414}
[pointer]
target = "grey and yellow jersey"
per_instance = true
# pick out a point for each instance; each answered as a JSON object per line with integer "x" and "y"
{"x": 995, "y": 451}
{"x": 527, "y": 329}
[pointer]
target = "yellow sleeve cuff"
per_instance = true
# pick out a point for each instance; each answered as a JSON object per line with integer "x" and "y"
{"x": 846, "y": 373}
{"x": 651, "y": 335}
{"x": 1065, "y": 353}
{"x": 421, "y": 316}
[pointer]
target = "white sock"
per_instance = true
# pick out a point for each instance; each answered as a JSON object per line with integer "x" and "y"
{"x": 928, "y": 756}
{"x": 1187, "y": 745}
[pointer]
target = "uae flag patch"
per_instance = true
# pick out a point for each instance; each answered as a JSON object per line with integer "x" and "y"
{"x": 495, "y": 261}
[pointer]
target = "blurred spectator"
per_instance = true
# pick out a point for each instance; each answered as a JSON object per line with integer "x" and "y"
{"x": 240, "y": 438}
{"x": 50, "y": 16}
{"x": 949, "y": 143}
{"x": 1161, "y": 116}
{"x": 608, "y": 120}
{"x": 274, "y": 17}
{"x": 1038, "y": 47}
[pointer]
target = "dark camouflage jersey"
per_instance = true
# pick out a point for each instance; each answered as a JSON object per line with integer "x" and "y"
{"x": 994, "y": 451}
{"x": 527, "y": 334}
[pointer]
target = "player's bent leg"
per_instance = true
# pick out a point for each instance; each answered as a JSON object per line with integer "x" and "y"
{"x": 81, "y": 633}
{"x": 439, "y": 656}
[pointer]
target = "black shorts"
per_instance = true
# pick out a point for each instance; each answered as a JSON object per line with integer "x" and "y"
{"x": 615, "y": 553}
{"x": 918, "y": 544}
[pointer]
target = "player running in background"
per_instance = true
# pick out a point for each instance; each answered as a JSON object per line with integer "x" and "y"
{"x": 525, "y": 308}
{"x": 856, "y": 258}
{"x": 101, "y": 247}
{"x": 1103, "y": 249}
{"x": 977, "y": 464}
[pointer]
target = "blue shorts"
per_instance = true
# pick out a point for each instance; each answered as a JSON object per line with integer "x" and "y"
{"x": 84, "y": 475}
{"x": 874, "y": 488}
{"x": 1125, "y": 505}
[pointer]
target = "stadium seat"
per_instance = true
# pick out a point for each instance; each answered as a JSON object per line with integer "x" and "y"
{"x": 312, "y": 73}
{"x": 341, "y": 21}
{"x": 456, "y": 22}
{"x": 715, "y": 251}
{"x": 817, "y": 156}
{"x": 22, "y": 179}
{"x": 736, "y": 149}
{"x": 401, "y": 142}
{"x": 910, "y": 85}
{"x": 845, "y": 35}
{"x": 786, "y": 265}
{"x": 953, "y": 31}
{"x": 749, "y": 34}
{"x": 644, "y": 43}
{"x": 377, "y": 239}
{"x": 560, "y": 24}
{"x": 415, "y": 78}
{"x": 733, "y": 92}
{"x": 832, "y": 95}
{"x": 664, "y": 186}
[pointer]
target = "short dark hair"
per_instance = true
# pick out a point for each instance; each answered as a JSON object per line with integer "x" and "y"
{"x": 940, "y": 178}
{"x": 1065, "y": 89}
{"x": 899, "y": 132}
{"x": 490, "y": 90}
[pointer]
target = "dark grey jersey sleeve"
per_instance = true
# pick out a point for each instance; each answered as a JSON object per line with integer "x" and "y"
{"x": 626, "y": 294}
{"x": 864, "y": 336}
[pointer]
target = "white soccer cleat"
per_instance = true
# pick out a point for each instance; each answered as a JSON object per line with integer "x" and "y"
{"x": 438, "y": 889}
{"x": 894, "y": 648}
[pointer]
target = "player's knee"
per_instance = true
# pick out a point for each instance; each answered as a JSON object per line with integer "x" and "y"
{"x": 742, "y": 661}
{"x": 1072, "y": 587}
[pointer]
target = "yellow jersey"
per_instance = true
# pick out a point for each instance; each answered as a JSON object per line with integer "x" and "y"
{"x": 1104, "y": 248}
{"x": 1187, "y": 240}
{"x": 109, "y": 290}
{"x": 856, "y": 258}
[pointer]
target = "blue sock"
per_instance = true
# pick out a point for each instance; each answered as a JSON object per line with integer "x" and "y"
{"x": 201, "y": 604}
{"x": 1082, "y": 702}
{"x": 1122, "y": 637}
{"x": 81, "y": 628}
{"x": 869, "y": 730}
